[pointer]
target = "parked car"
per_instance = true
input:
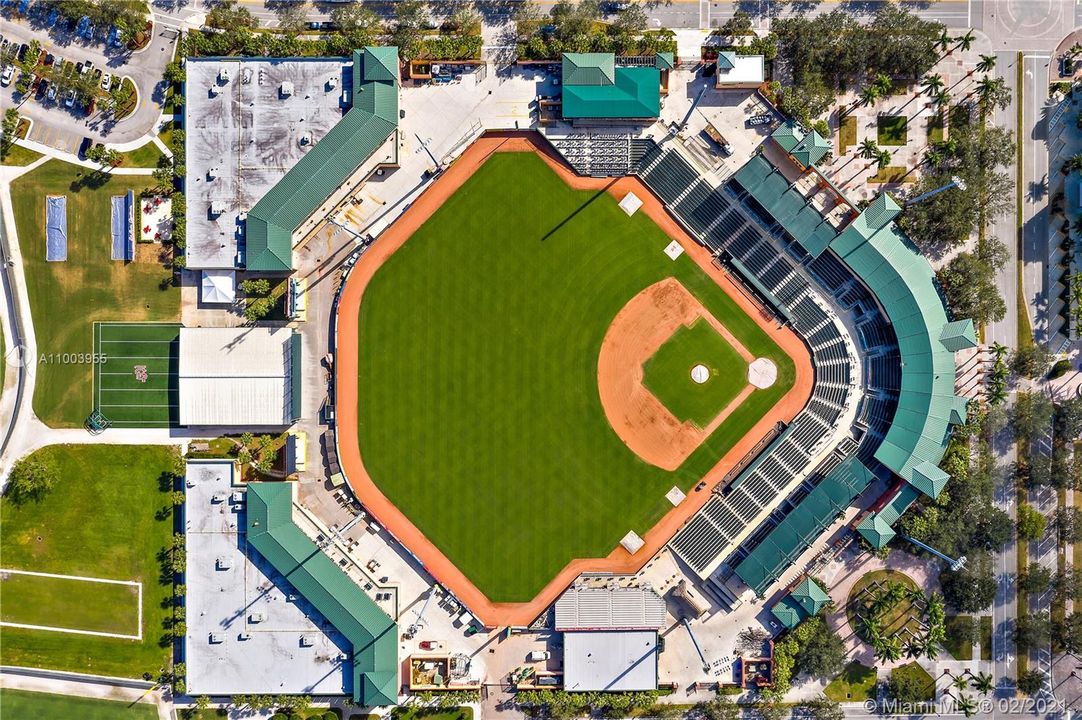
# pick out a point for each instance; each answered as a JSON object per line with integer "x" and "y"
{"x": 760, "y": 120}
{"x": 107, "y": 82}
{"x": 9, "y": 73}
{"x": 51, "y": 94}
{"x": 539, "y": 656}
{"x": 43, "y": 87}
{"x": 70, "y": 100}
{"x": 431, "y": 645}
{"x": 23, "y": 48}
{"x": 84, "y": 146}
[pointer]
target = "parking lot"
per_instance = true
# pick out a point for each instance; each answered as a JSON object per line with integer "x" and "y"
{"x": 82, "y": 61}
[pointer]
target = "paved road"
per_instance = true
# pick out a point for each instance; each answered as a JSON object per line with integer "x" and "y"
{"x": 59, "y": 127}
{"x": 1035, "y": 190}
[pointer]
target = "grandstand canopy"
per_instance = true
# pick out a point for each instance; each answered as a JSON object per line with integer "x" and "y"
{"x": 374, "y": 636}
{"x": 792, "y": 536}
{"x": 594, "y": 88}
{"x": 610, "y": 609}
{"x": 246, "y": 376}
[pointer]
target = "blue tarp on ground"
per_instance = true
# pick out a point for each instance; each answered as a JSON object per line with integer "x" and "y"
{"x": 122, "y": 231}
{"x": 56, "y": 228}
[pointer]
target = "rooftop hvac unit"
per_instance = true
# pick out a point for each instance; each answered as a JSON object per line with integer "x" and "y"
{"x": 238, "y": 496}
{"x": 223, "y": 563}
{"x": 217, "y": 207}
{"x": 223, "y": 75}
{"x": 216, "y": 638}
{"x": 305, "y": 139}
{"x": 244, "y": 636}
{"x": 332, "y": 82}
{"x": 257, "y": 617}
{"x": 246, "y": 76}
{"x": 214, "y": 91}
{"x": 216, "y": 497}
{"x": 306, "y": 641}
{"x": 287, "y": 89}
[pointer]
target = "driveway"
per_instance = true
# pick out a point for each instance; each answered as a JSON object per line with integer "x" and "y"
{"x": 58, "y": 127}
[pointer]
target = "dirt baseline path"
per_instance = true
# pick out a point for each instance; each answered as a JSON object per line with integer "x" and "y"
{"x": 619, "y": 561}
{"x": 647, "y": 427}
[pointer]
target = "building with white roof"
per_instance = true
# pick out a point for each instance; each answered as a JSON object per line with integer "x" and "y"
{"x": 247, "y": 376}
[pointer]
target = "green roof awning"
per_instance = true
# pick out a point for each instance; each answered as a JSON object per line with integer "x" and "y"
{"x": 788, "y": 612}
{"x": 876, "y": 531}
{"x": 959, "y": 335}
{"x": 810, "y": 596}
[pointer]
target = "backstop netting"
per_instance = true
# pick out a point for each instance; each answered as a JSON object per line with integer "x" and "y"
{"x": 56, "y": 228}
{"x": 123, "y": 247}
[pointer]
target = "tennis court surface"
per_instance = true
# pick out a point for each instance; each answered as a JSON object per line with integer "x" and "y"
{"x": 135, "y": 376}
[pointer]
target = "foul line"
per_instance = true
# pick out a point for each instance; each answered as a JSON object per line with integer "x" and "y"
{"x": 82, "y": 578}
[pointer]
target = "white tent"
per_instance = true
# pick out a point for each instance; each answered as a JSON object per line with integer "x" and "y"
{"x": 218, "y": 287}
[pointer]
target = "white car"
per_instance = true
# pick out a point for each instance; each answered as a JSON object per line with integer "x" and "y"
{"x": 9, "y": 72}
{"x": 106, "y": 81}
{"x": 51, "y": 94}
{"x": 70, "y": 102}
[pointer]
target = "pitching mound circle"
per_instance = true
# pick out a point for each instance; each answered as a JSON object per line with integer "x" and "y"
{"x": 762, "y": 373}
{"x": 700, "y": 374}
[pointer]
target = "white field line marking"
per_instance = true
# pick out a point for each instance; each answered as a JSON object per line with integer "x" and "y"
{"x": 82, "y": 578}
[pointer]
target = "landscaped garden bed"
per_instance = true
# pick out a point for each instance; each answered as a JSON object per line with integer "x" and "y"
{"x": 892, "y": 129}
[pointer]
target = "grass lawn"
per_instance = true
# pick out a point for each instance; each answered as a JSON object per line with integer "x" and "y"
{"x": 847, "y": 134}
{"x": 22, "y": 705}
{"x": 855, "y": 683}
{"x": 410, "y": 712}
{"x": 892, "y": 621}
{"x": 70, "y": 604}
{"x": 668, "y": 373}
{"x": 890, "y": 174}
{"x": 67, "y": 297}
{"x": 103, "y": 518}
{"x": 145, "y": 156}
{"x": 986, "y": 637}
{"x": 957, "y": 628}
{"x": 18, "y": 155}
{"x": 920, "y": 679}
{"x": 891, "y": 129}
{"x": 936, "y": 127}
{"x": 479, "y": 413}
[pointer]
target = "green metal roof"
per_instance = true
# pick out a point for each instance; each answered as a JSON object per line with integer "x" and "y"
{"x": 295, "y": 380}
{"x": 876, "y": 531}
{"x": 904, "y": 283}
{"x": 959, "y": 335}
{"x": 726, "y": 60}
{"x": 807, "y": 147}
{"x": 810, "y": 596}
{"x": 788, "y": 612}
{"x": 664, "y": 61}
{"x": 636, "y": 94}
{"x": 781, "y": 547}
{"x": 589, "y": 69}
{"x": 374, "y": 636}
{"x": 929, "y": 479}
{"x": 897, "y": 505}
{"x": 770, "y": 189}
{"x": 372, "y": 119}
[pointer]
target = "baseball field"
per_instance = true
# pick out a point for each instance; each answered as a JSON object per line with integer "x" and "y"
{"x": 477, "y": 395}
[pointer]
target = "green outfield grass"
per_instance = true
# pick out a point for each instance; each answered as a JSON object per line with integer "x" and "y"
{"x": 70, "y": 604}
{"x": 22, "y": 705}
{"x": 109, "y": 516}
{"x": 668, "y": 373}
{"x": 66, "y": 298}
{"x": 122, "y": 397}
{"x": 479, "y": 413}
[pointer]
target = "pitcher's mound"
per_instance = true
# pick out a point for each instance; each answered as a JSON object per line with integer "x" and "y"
{"x": 700, "y": 374}
{"x": 762, "y": 373}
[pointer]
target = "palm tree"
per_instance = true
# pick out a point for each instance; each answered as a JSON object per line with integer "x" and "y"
{"x": 869, "y": 95}
{"x": 986, "y": 64}
{"x": 889, "y": 649}
{"x": 1073, "y": 163}
{"x": 966, "y": 41}
{"x": 983, "y": 683}
{"x": 944, "y": 41}
{"x": 999, "y": 350}
{"x": 883, "y": 83}
{"x": 960, "y": 682}
{"x": 932, "y": 84}
{"x": 992, "y": 91}
{"x": 941, "y": 98}
{"x": 967, "y": 705}
{"x": 869, "y": 148}
{"x": 931, "y": 649}
{"x": 933, "y": 158}
{"x": 883, "y": 159}
{"x": 913, "y": 649}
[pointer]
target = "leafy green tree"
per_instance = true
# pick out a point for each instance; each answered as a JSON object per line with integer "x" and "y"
{"x": 1033, "y": 630}
{"x": 31, "y": 478}
{"x": 972, "y": 588}
{"x": 292, "y": 17}
{"x": 1036, "y": 579}
{"x": 1031, "y": 360}
{"x": 1031, "y": 522}
{"x": 1068, "y": 634}
{"x": 1031, "y": 682}
{"x": 822, "y": 655}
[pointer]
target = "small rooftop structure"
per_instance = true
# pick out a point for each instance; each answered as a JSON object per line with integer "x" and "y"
{"x": 610, "y": 661}
{"x": 595, "y": 88}
{"x": 739, "y": 71}
{"x": 622, "y": 608}
{"x": 806, "y": 147}
{"x": 246, "y": 376}
{"x": 218, "y": 287}
{"x": 807, "y": 599}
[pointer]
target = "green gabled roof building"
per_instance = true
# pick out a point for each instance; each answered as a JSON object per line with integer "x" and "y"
{"x": 808, "y": 148}
{"x": 374, "y": 636}
{"x": 595, "y": 88}
{"x": 806, "y": 600}
{"x": 369, "y": 123}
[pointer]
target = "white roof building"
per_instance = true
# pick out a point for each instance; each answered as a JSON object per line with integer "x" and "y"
{"x": 740, "y": 71}
{"x": 218, "y": 287}
{"x": 239, "y": 376}
{"x": 610, "y": 661}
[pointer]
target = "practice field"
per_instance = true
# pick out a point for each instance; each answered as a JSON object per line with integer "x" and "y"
{"x": 63, "y": 603}
{"x": 22, "y": 705}
{"x": 135, "y": 373}
{"x": 108, "y": 516}
{"x": 478, "y": 404}
{"x": 66, "y": 298}
{"x": 668, "y": 373}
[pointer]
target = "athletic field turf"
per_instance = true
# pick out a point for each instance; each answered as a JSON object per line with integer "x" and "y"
{"x": 668, "y": 373}
{"x": 122, "y": 392}
{"x": 70, "y": 603}
{"x": 478, "y": 409}
{"x": 66, "y": 298}
{"x": 22, "y": 705}
{"x": 109, "y": 515}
